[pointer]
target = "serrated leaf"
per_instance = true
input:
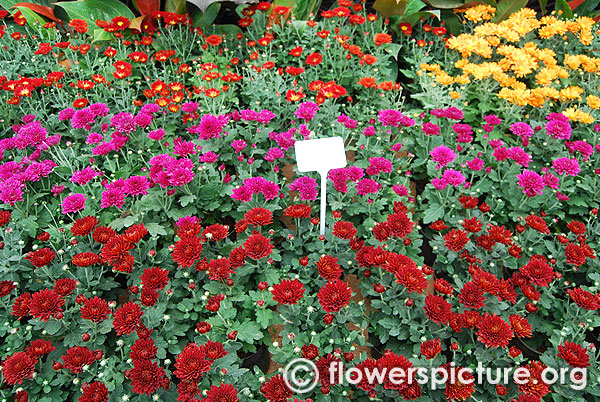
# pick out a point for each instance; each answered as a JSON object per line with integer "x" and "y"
{"x": 249, "y": 332}
{"x": 155, "y": 229}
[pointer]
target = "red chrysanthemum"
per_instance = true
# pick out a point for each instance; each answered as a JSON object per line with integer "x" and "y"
{"x": 329, "y": 268}
{"x": 366, "y": 367}
{"x": 575, "y": 255}
{"x": 86, "y": 259}
{"x": 455, "y": 388}
{"x": 584, "y": 299}
{"x": 216, "y": 232}
{"x": 443, "y": 286}
{"x": 146, "y": 377}
{"x": 143, "y": 349}
{"x": 537, "y": 223}
{"x": 257, "y": 246}
{"x": 576, "y": 227}
{"x": 310, "y": 351}
{"x": 276, "y": 390}
{"x": 45, "y": 304}
{"x": 431, "y": 348}
{"x": 214, "y": 350}
{"x": 472, "y": 225}
{"x": 21, "y": 305}
{"x": 39, "y": 348}
{"x": 84, "y": 226}
{"x": 6, "y": 287}
{"x": 116, "y": 248}
{"x": 155, "y": 278}
{"x": 288, "y": 291}
{"x": 535, "y": 385}
{"x": 494, "y": 331}
{"x": 390, "y": 361}
{"x": 381, "y": 231}
{"x": 41, "y": 257}
{"x": 298, "y": 211}
{"x": 187, "y": 391}
{"x": 65, "y": 286}
{"x": 237, "y": 257}
{"x": 135, "y": 233}
{"x": 187, "y": 251}
{"x": 102, "y": 234}
{"x": 409, "y": 275}
{"x": 437, "y": 309}
{"x": 520, "y": 325}
{"x": 222, "y": 393}
{"x": 486, "y": 282}
{"x": 500, "y": 234}
{"x": 538, "y": 271}
{"x": 400, "y": 225}
{"x": 574, "y": 354}
{"x": 18, "y": 367}
{"x": 77, "y": 357}
{"x": 471, "y": 296}
{"x": 127, "y": 318}
{"x": 220, "y": 269}
{"x": 344, "y": 230}
{"x": 456, "y": 240}
{"x": 259, "y": 217}
{"x": 191, "y": 363}
{"x": 95, "y": 309}
{"x": 4, "y": 217}
{"x": 93, "y": 392}
{"x": 470, "y": 318}
{"x": 334, "y": 295}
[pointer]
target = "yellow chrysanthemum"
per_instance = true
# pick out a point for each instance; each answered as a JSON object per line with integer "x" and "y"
{"x": 593, "y": 101}
{"x": 571, "y": 93}
{"x": 444, "y": 78}
{"x": 468, "y": 44}
{"x": 573, "y": 61}
{"x": 479, "y": 12}
{"x": 578, "y": 115}
{"x": 454, "y": 95}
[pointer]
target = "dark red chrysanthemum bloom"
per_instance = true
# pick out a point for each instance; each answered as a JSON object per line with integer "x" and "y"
{"x": 468, "y": 202}
{"x": 456, "y": 321}
{"x": 470, "y": 318}
{"x": 584, "y": 299}
{"x": 456, "y": 240}
{"x": 216, "y": 232}
{"x": 381, "y": 231}
{"x": 507, "y": 291}
{"x": 257, "y": 246}
{"x": 93, "y": 392}
{"x": 538, "y": 271}
{"x": 149, "y": 297}
{"x": 127, "y": 318}
{"x": 472, "y": 225}
{"x": 6, "y": 287}
{"x": 146, "y": 377}
{"x": 84, "y": 226}
{"x": 575, "y": 255}
{"x": 95, "y": 309}
{"x": 4, "y": 217}
{"x": 520, "y": 325}
{"x": 21, "y": 305}
{"x": 187, "y": 391}
{"x": 437, "y": 309}
{"x": 276, "y": 390}
{"x": 77, "y": 357}
{"x": 288, "y": 291}
{"x": 535, "y": 385}
{"x": 214, "y": 303}
{"x": 214, "y": 350}
{"x": 576, "y": 227}
{"x": 455, "y": 388}
{"x": 86, "y": 259}
{"x": 259, "y": 217}
{"x": 18, "y": 367}
{"x": 41, "y": 257}
{"x": 155, "y": 278}
{"x": 390, "y": 361}
{"x": 486, "y": 282}
{"x": 187, "y": 251}
{"x": 135, "y": 233}
{"x": 45, "y": 304}
{"x": 222, "y": 393}
{"x": 191, "y": 363}
{"x": 494, "y": 331}
{"x": 537, "y": 223}
{"x": 471, "y": 296}
{"x": 329, "y": 268}
{"x": 500, "y": 234}
{"x": 219, "y": 270}
{"x": 574, "y": 354}
{"x": 310, "y": 352}
{"x": 237, "y": 257}
{"x": 22, "y": 396}
{"x": 241, "y": 226}
{"x": 443, "y": 286}
{"x": 344, "y": 230}
{"x": 396, "y": 263}
{"x": 102, "y": 234}
{"x": 325, "y": 365}
{"x": 39, "y": 348}
{"x": 484, "y": 241}
{"x": 116, "y": 248}
{"x": 143, "y": 349}
{"x": 334, "y": 295}
{"x": 431, "y": 348}
{"x": 65, "y": 286}
{"x": 411, "y": 277}
{"x": 298, "y": 211}
{"x": 366, "y": 367}
{"x": 400, "y": 225}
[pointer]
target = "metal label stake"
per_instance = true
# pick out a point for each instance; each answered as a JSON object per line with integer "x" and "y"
{"x": 321, "y": 155}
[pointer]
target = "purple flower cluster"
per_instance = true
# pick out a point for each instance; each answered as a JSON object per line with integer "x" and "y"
{"x": 306, "y": 187}
{"x": 254, "y": 185}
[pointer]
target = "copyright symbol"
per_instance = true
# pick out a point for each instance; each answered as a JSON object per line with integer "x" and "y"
{"x": 293, "y": 372}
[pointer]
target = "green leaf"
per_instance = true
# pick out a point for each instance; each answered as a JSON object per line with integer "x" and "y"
{"x": 208, "y": 16}
{"x": 562, "y": 5}
{"x": 249, "y": 332}
{"x": 186, "y": 200}
{"x": 175, "y": 6}
{"x": 155, "y": 229}
{"x": 101, "y": 34}
{"x": 433, "y": 213}
{"x": 387, "y": 8}
{"x": 112, "y": 8}
{"x": 445, "y": 3}
{"x": 80, "y": 10}
{"x": 507, "y": 7}
{"x": 31, "y": 16}
{"x": 263, "y": 317}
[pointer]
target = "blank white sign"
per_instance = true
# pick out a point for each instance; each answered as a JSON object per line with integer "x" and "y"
{"x": 320, "y": 155}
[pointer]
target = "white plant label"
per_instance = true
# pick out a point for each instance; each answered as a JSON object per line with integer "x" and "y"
{"x": 321, "y": 155}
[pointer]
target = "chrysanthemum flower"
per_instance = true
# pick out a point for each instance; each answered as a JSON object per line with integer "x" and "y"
{"x": 494, "y": 331}
{"x": 288, "y": 291}
{"x": 334, "y": 295}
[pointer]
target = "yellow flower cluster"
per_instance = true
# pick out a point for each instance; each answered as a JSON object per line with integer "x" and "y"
{"x": 527, "y": 73}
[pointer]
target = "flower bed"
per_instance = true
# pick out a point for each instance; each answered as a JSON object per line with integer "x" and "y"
{"x": 158, "y": 242}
